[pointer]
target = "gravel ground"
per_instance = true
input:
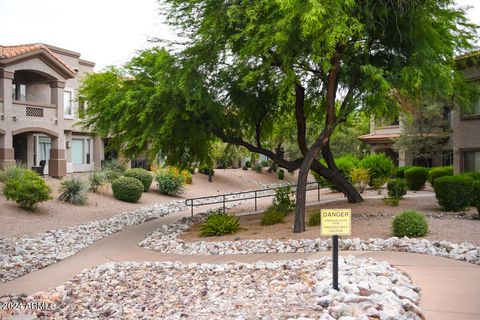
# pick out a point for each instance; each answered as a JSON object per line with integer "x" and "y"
{"x": 265, "y": 290}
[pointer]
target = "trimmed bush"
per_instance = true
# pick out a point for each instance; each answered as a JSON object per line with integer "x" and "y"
{"x": 218, "y": 224}
{"x": 314, "y": 218}
{"x": 400, "y": 171}
{"x": 142, "y": 175}
{"x": 283, "y": 197}
{"x": 476, "y": 195}
{"x": 274, "y": 214}
{"x": 258, "y": 167}
{"x": 96, "y": 181}
{"x": 416, "y": 178}
{"x": 281, "y": 174}
{"x": 205, "y": 169}
{"x": 473, "y": 175}
{"x": 127, "y": 189}
{"x": 438, "y": 172}
{"x": 74, "y": 191}
{"x": 410, "y": 224}
{"x": 170, "y": 182}
{"x": 397, "y": 188}
{"x": 380, "y": 168}
{"x": 27, "y": 189}
{"x": 454, "y": 193}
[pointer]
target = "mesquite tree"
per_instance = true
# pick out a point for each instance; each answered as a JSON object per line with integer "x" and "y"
{"x": 251, "y": 69}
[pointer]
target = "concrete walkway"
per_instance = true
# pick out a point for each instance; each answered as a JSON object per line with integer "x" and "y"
{"x": 450, "y": 289}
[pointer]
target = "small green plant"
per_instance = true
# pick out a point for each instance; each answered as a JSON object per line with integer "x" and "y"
{"x": 410, "y": 224}
{"x": 265, "y": 163}
{"x": 206, "y": 169}
{"x": 27, "y": 189}
{"x": 438, "y": 172}
{"x": 127, "y": 189}
{"x": 258, "y": 167}
{"x": 397, "y": 188}
{"x": 219, "y": 224}
{"x": 391, "y": 201}
{"x": 73, "y": 190}
{"x": 187, "y": 176}
{"x": 380, "y": 168}
{"x": 97, "y": 180}
{"x": 248, "y": 163}
{"x": 454, "y": 193}
{"x": 360, "y": 178}
{"x": 416, "y": 178}
{"x": 11, "y": 171}
{"x": 144, "y": 176}
{"x": 170, "y": 182}
{"x": 191, "y": 169}
{"x": 476, "y": 195}
{"x": 114, "y": 165}
{"x": 111, "y": 175}
{"x": 377, "y": 184}
{"x": 314, "y": 218}
{"x": 281, "y": 174}
{"x": 283, "y": 197}
{"x": 274, "y": 214}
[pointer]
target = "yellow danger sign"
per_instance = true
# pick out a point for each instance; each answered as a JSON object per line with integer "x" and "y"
{"x": 336, "y": 222}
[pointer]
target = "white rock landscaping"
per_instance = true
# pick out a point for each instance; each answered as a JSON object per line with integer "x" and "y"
{"x": 166, "y": 240}
{"x": 299, "y": 289}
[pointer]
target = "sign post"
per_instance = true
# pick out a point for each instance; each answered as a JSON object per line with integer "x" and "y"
{"x": 335, "y": 222}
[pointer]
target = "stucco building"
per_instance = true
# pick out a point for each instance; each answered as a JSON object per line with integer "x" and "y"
{"x": 39, "y": 111}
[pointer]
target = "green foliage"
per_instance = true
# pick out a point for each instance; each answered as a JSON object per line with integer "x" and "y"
{"x": 248, "y": 164}
{"x": 187, "y": 176}
{"x": 476, "y": 195}
{"x": 400, "y": 171}
{"x": 142, "y": 175}
{"x": 114, "y": 165}
{"x": 191, "y": 170}
{"x": 283, "y": 197}
{"x": 281, "y": 174}
{"x": 170, "y": 181}
{"x": 380, "y": 167}
{"x": 73, "y": 190}
{"x": 112, "y": 175}
{"x": 391, "y": 201}
{"x": 26, "y": 188}
{"x": 96, "y": 180}
{"x": 473, "y": 175}
{"x": 206, "y": 169}
{"x": 127, "y": 189}
{"x": 314, "y": 218}
{"x": 360, "y": 178}
{"x": 416, "y": 178}
{"x": 219, "y": 224}
{"x": 9, "y": 171}
{"x": 274, "y": 214}
{"x": 454, "y": 193}
{"x": 438, "y": 172}
{"x": 410, "y": 224}
{"x": 265, "y": 163}
{"x": 258, "y": 167}
{"x": 345, "y": 165}
{"x": 397, "y": 188}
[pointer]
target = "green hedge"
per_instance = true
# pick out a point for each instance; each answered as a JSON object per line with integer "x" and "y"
{"x": 410, "y": 224}
{"x": 127, "y": 189}
{"x": 142, "y": 175}
{"x": 380, "y": 167}
{"x": 400, "y": 171}
{"x": 397, "y": 188}
{"x": 416, "y": 178}
{"x": 476, "y": 195}
{"x": 438, "y": 172}
{"x": 454, "y": 193}
{"x": 345, "y": 164}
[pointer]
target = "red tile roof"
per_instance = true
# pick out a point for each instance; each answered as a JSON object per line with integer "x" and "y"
{"x": 7, "y": 52}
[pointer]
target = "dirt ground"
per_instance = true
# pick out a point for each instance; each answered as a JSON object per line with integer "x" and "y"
{"x": 57, "y": 214}
{"x": 377, "y": 225}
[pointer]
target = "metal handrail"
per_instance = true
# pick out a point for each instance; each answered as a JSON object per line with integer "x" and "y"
{"x": 255, "y": 194}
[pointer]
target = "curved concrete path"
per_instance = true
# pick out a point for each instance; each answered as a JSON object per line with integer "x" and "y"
{"x": 450, "y": 289}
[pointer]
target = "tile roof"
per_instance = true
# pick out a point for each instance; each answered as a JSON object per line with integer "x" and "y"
{"x": 7, "y": 52}
{"x": 386, "y": 137}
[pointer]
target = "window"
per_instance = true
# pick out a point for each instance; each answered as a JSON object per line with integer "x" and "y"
{"x": 474, "y": 110}
{"x": 41, "y": 150}
{"x": 471, "y": 161}
{"x": 81, "y": 151}
{"x": 19, "y": 91}
{"x": 68, "y": 103}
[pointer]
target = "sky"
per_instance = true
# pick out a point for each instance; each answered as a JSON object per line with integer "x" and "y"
{"x": 107, "y": 32}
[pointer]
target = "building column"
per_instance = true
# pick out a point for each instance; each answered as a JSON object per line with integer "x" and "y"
{"x": 98, "y": 153}
{"x": 7, "y": 154}
{"x": 57, "y": 165}
{"x": 30, "y": 149}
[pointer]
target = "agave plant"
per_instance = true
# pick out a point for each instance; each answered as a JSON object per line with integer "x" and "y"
{"x": 74, "y": 191}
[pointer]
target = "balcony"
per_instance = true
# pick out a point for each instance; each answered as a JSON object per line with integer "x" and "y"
{"x": 32, "y": 113}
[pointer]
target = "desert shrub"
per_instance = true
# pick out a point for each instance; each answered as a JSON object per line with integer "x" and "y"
{"x": 142, "y": 175}
{"x": 438, "y": 172}
{"x": 206, "y": 169}
{"x": 314, "y": 218}
{"x": 258, "y": 167}
{"x": 345, "y": 165}
{"x": 218, "y": 224}
{"x": 265, "y": 163}
{"x": 281, "y": 174}
{"x": 476, "y": 195}
{"x": 380, "y": 168}
{"x": 248, "y": 163}
{"x": 96, "y": 181}
{"x": 274, "y": 214}
{"x": 112, "y": 175}
{"x": 416, "y": 178}
{"x": 391, "y": 201}
{"x": 114, "y": 165}
{"x": 127, "y": 189}
{"x": 27, "y": 189}
{"x": 410, "y": 224}
{"x": 400, "y": 171}
{"x": 74, "y": 191}
{"x": 170, "y": 181}
{"x": 397, "y": 188}
{"x": 187, "y": 176}
{"x": 283, "y": 197}
{"x": 9, "y": 171}
{"x": 453, "y": 192}
{"x": 378, "y": 183}
{"x": 360, "y": 178}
